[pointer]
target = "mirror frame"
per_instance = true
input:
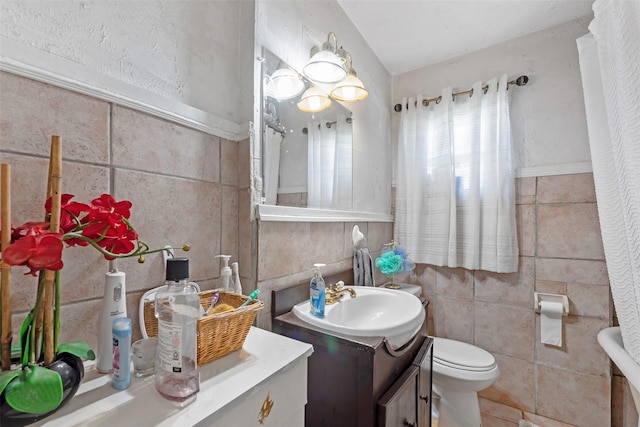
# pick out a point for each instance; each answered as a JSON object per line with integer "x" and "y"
{"x": 287, "y": 213}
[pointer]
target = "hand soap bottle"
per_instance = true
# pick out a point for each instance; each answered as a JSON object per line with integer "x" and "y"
{"x": 225, "y": 274}
{"x": 317, "y": 292}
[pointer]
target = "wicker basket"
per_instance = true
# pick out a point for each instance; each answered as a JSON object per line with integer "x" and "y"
{"x": 218, "y": 334}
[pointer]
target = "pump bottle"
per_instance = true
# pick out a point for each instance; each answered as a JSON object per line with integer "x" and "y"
{"x": 177, "y": 308}
{"x": 225, "y": 274}
{"x": 317, "y": 292}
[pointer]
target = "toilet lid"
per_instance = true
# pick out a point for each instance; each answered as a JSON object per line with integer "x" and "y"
{"x": 460, "y": 355}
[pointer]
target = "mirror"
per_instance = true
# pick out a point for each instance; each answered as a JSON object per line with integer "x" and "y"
{"x": 306, "y": 156}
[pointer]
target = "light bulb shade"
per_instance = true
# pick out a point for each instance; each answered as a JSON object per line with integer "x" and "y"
{"x": 285, "y": 84}
{"x": 325, "y": 67}
{"x": 350, "y": 89}
{"x": 314, "y": 100}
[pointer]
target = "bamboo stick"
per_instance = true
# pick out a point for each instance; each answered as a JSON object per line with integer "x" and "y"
{"x": 56, "y": 195}
{"x": 40, "y": 314}
{"x": 5, "y": 296}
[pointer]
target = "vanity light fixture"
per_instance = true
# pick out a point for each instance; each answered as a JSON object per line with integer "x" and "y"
{"x": 285, "y": 83}
{"x": 314, "y": 100}
{"x": 325, "y": 66}
{"x": 351, "y": 87}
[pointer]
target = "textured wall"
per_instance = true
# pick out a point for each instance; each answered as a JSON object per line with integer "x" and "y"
{"x": 548, "y": 119}
{"x": 185, "y": 186}
{"x": 195, "y": 52}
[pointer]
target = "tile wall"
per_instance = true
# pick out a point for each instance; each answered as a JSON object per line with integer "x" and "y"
{"x": 560, "y": 252}
{"x": 186, "y": 187}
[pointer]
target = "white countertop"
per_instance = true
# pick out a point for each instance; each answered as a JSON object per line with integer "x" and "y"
{"x": 222, "y": 381}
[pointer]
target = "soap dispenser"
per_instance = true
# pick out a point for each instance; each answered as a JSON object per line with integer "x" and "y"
{"x": 225, "y": 273}
{"x": 317, "y": 292}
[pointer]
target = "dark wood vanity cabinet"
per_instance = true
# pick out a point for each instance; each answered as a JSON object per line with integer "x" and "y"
{"x": 354, "y": 381}
{"x": 408, "y": 401}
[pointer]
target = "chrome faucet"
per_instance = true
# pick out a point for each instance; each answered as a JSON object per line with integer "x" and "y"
{"x": 336, "y": 292}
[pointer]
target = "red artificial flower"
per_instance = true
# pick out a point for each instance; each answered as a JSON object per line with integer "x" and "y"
{"x": 29, "y": 229}
{"x": 69, "y": 211}
{"x": 38, "y": 250}
{"x": 105, "y": 208}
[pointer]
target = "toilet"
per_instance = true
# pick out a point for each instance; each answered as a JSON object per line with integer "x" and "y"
{"x": 460, "y": 371}
{"x": 406, "y": 287}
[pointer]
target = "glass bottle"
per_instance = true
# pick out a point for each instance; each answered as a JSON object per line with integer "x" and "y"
{"x": 177, "y": 309}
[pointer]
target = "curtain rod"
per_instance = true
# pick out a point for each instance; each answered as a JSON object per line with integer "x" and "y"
{"x": 348, "y": 120}
{"x": 520, "y": 81}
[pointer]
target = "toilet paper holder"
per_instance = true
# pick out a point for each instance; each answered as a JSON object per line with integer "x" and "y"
{"x": 538, "y": 297}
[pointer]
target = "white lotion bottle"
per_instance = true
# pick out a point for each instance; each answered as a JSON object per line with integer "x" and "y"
{"x": 114, "y": 305}
{"x": 225, "y": 274}
{"x": 237, "y": 287}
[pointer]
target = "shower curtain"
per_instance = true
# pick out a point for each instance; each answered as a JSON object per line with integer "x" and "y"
{"x": 329, "y": 158}
{"x": 271, "y": 165}
{"x": 610, "y": 68}
{"x": 455, "y": 190}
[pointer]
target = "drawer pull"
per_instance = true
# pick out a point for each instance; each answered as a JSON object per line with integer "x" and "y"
{"x": 425, "y": 398}
{"x": 265, "y": 410}
{"x": 408, "y": 424}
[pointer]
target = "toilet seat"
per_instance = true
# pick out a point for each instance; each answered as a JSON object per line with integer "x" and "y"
{"x": 462, "y": 356}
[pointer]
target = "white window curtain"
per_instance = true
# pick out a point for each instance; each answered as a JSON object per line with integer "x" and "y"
{"x": 329, "y": 177}
{"x": 455, "y": 186}
{"x": 610, "y": 68}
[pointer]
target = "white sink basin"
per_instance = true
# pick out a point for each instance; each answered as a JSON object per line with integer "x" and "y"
{"x": 374, "y": 312}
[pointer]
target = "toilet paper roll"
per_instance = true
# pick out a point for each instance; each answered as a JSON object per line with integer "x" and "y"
{"x": 551, "y": 323}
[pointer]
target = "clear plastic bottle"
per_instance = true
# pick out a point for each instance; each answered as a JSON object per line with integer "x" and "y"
{"x": 317, "y": 291}
{"x": 177, "y": 308}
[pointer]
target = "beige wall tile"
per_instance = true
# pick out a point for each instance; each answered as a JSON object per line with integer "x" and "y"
{"x": 38, "y": 110}
{"x": 525, "y": 190}
{"x": 454, "y": 282}
{"x": 552, "y": 288}
{"x": 489, "y": 420}
{"x": 144, "y": 142}
{"x": 499, "y": 410}
{"x": 504, "y": 330}
{"x": 327, "y": 242}
{"x": 569, "y": 231}
{"x": 589, "y": 300}
{"x": 229, "y": 223}
{"x": 515, "y": 387}
{"x": 244, "y": 163}
{"x": 425, "y": 276}
{"x": 229, "y": 162}
{"x": 572, "y": 188}
{"x": 283, "y": 248}
{"x": 507, "y": 288}
{"x": 171, "y": 211}
{"x": 572, "y": 271}
{"x": 573, "y": 398}
{"x": 244, "y": 234}
{"x": 454, "y": 318}
{"x": 526, "y": 222}
{"x": 379, "y": 233}
{"x": 541, "y": 421}
{"x": 580, "y": 351}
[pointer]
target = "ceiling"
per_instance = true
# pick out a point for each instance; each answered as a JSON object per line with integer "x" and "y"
{"x": 409, "y": 34}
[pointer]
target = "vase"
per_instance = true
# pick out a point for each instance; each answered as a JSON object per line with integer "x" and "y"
{"x": 71, "y": 370}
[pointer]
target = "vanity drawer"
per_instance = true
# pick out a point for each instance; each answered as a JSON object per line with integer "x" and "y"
{"x": 277, "y": 402}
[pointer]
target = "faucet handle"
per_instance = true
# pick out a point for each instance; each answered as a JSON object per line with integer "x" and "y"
{"x": 339, "y": 285}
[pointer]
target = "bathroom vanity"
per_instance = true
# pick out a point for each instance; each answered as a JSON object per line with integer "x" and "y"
{"x": 360, "y": 381}
{"x": 263, "y": 384}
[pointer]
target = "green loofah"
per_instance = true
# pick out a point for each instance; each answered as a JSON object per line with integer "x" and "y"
{"x": 389, "y": 263}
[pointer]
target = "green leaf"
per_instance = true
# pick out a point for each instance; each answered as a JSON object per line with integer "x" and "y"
{"x": 77, "y": 348}
{"x": 16, "y": 350}
{"x": 36, "y": 390}
{"x": 25, "y": 335}
{"x": 6, "y": 377}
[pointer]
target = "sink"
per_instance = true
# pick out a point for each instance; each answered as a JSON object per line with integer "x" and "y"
{"x": 375, "y": 312}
